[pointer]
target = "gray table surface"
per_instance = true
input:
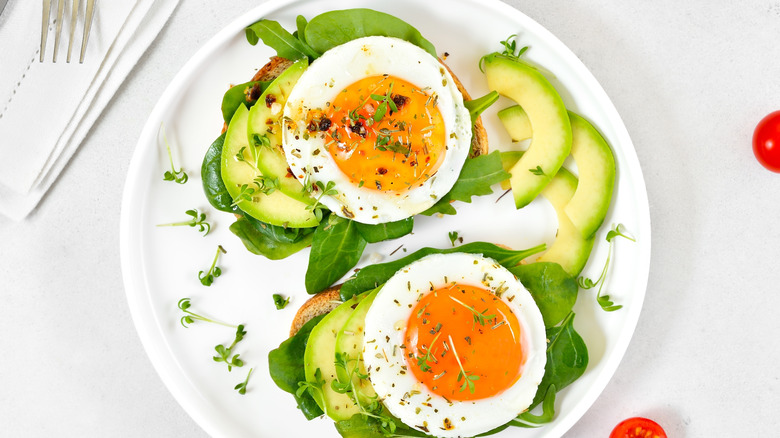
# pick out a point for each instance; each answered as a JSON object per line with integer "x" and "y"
{"x": 690, "y": 79}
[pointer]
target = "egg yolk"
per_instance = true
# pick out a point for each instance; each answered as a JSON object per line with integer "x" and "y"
{"x": 464, "y": 343}
{"x": 384, "y": 133}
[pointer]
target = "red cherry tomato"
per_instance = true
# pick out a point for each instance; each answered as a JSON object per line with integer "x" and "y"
{"x": 638, "y": 427}
{"x": 766, "y": 141}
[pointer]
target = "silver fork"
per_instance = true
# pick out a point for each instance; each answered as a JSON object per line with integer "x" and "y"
{"x": 58, "y": 30}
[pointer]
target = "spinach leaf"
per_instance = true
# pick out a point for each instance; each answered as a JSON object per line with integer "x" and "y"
{"x": 567, "y": 358}
{"x": 285, "y": 364}
{"x": 363, "y": 426}
{"x": 278, "y": 38}
{"x": 246, "y": 93}
{"x": 334, "y": 28}
{"x": 211, "y": 174}
{"x": 300, "y": 24}
{"x": 477, "y": 106}
{"x": 386, "y": 231}
{"x": 335, "y": 249}
{"x": 553, "y": 290}
{"x": 475, "y": 179}
{"x": 270, "y": 241}
{"x": 374, "y": 275}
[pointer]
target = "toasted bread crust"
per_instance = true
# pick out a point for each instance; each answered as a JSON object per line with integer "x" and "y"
{"x": 315, "y": 306}
{"x": 479, "y": 140}
{"x": 272, "y": 69}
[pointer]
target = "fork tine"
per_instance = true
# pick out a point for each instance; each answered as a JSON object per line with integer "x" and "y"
{"x": 45, "y": 26}
{"x": 60, "y": 8}
{"x": 87, "y": 27}
{"x": 73, "y": 17}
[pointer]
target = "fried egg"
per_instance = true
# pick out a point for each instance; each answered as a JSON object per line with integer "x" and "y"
{"x": 454, "y": 345}
{"x": 383, "y": 122}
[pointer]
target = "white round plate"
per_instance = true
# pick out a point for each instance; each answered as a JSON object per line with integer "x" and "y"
{"x": 161, "y": 264}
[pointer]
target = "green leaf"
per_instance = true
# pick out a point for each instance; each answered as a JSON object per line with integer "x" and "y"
{"x": 246, "y": 94}
{"x": 335, "y": 28}
{"x": 477, "y": 106}
{"x": 278, "y": 38}
{"x": 372, "y": 276}
{"x": 553, "y": 290}
{"x": 567, "y": 358}
{"x": 363, "y": 426}
{"x": 280, "y": 302}
{"x": 335, "y": 249}
{"x": 476, "y": 178}
{"x": 300, "y": 24}
{"x": 273, "y": 242}
{"x": 285, "y": 365}
{"x": 386, "y": 231}
{"x": 211, "y": 174}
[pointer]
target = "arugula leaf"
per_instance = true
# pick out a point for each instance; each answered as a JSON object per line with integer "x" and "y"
{"x": 477, "y": 106}
{"x": 285, "y": 364}
{"x": 475, "y": 179}
{"x": 567, "y": 358}
{"x": 334, "y": 28}
{"x": 246, "y": 94}
{"x": 270, "y": 241}
{"x": 386, "y": 231}
{"x": 335, "y": 248}
{"x": 278, "y": 38}
{"x": 211, "y": 174}
{"x": 553, "y": 290}
{"x": 372, "y": 276}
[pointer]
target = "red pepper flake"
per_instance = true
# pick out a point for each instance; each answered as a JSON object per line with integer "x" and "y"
{"x": 269, "y": 100}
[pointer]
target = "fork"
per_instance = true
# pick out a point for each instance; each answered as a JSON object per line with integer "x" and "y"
{"x": 58, "y": 30}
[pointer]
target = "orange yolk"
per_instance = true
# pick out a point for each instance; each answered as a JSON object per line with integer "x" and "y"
{"x": 463, "y": 343}
{"x": 384, "y": 133}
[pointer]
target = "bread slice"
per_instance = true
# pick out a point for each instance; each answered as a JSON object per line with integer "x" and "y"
{"x": 315, "y": 306}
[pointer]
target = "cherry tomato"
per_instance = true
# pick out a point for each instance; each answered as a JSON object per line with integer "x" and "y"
{"x": 638, "y": 427}
{"x": 766, "y": 141}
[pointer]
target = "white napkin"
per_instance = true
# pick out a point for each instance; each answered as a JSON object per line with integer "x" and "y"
{"x": 46, "y": 109}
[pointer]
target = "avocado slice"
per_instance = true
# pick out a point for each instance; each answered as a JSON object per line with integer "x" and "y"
{"x": 320, "y": 355}
{"x": 595, "y": 163}
{"x": 265, "y": 120}
{"x": 350, "y": 342}
{"x": 551, "y": 141}
{"x": 570, "y": 249}
{"x": 275, "y": 208}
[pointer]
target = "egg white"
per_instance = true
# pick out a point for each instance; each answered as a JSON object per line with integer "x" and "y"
{"x": 402, "y": 393}
{"x": 342, "y": 66}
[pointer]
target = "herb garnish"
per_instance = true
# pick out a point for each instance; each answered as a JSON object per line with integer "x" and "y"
{"x": 197, "y": 220}
{"x": 178, "y": 176}
{"x": 384, "y": 102}
{"x": 453, "y": 235}
{"x": 315, "y": 388}
{"x": 280, "y": 302}
{"x": 374, "y": 409}
{"x": 422, "y": 361}
{"x": 510, "y": 47}
{"x": 538, "y": 171}
{"x": 480, "y": 318}
{"x": 325, "y": 190}
{"x": 190, "y": 317}
{"x": 586, "y": 283}
{"x": 241, "y": 387}
{"x": 214, "y": 271}
{"x": 224, "y": 354}
{"x": 466, "y": 376}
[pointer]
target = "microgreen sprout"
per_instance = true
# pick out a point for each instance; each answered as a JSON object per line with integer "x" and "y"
{"x": 280, "y": 302}
{"x": 538, "y": 171}
{"x": 325, "y": 190}
{"x": 586, "y": 283}
{"x": 374, "y": 408}
{"x": 466, "y": 376}
{"x": 241, "y": 387}
{"x": 314, "y": 388}
{"x": 190, "y": 317}
{"x": 510, "y": 47}
{"x": 207, "y": 278}
{"x": 480, "y": 318}
{"x": 384, "y": 102}
{"x": 262, "y": 185}
{"x": 225, "y": 354}
{"x": 177, "y": 176}
{"x": 453, "y": 235}
{"x": 422, "y": 361}
{"x": 197, "y": 220}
